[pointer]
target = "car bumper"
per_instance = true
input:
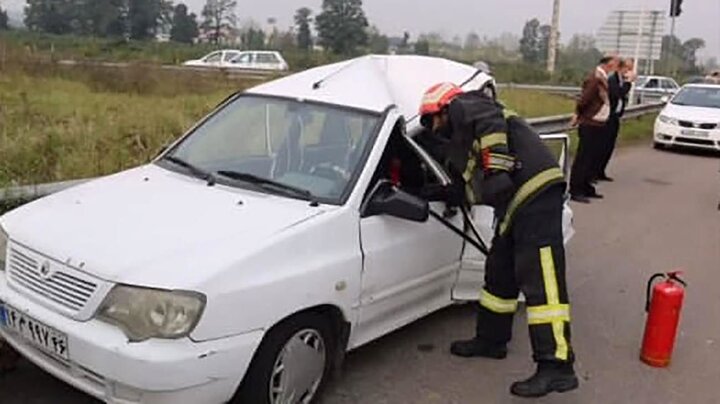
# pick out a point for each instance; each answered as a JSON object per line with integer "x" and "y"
{"x": 103, "y": 364}
{"x": 673, "y": 135}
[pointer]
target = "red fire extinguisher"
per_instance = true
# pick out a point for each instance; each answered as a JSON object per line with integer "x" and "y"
{"x": 663, "y": 310}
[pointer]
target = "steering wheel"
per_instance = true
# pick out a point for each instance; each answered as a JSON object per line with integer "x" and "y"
{"x": 330, "y": 171}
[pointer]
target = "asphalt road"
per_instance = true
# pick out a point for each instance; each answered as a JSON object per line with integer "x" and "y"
{"x": 660, "y": 214}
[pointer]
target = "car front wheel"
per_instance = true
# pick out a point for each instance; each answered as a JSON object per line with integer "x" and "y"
{"x": 292, "y": 363}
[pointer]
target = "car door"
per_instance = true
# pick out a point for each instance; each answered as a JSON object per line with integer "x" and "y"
{"x": 472, "y": 271}
{"x": 213, "y": 60}
{"x": 409, "y": 268}
{"x": 228, "y": 57}
{"x": 243, "y": 60}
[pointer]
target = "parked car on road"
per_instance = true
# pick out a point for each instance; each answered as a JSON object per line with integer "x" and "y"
{"x": 247, "y": 258}
{"x": 235, "y": 59}
{"x": 691, "y": 118}
{"x": 654, "y": 88}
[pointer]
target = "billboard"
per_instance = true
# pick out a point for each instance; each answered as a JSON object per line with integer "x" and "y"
{"x": 624, "y": 28}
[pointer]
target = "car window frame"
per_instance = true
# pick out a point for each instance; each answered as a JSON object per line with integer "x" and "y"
{"x": 355, "y": 175}
{"x": 207, "y": 57}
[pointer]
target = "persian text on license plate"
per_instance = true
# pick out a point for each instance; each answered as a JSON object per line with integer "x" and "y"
{"x": 695, "y": 133}
{"x": 44, "y": 337}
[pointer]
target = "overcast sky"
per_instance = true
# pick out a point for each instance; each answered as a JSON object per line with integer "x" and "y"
{"x": 701, "y": 18}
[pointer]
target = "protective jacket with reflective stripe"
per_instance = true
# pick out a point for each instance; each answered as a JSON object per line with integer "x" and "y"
{"x": 485, "y": 140}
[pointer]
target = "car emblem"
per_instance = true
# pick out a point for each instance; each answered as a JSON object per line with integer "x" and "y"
{"x": 45, "y": 270}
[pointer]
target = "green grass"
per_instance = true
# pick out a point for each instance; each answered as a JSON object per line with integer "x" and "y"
{"x": 533, "y": 104}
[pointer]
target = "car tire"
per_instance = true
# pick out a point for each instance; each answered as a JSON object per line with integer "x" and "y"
{"x": 278, "y": 355}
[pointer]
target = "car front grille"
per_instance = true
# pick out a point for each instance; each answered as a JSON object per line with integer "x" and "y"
{"x": 706, "y": 126}
{"x": 57, "y": 285}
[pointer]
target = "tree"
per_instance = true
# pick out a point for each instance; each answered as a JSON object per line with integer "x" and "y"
{"x": 379, "y": 43}
{"x": 341, "y": 26}
{"x": 422, "y": 47}
{"x": 530, "y": 42}
{"x": 689, "y": 53}
{"x": 544, "y": 42}
{"x": 184, "y": 26}
{"x": 145, "y": 17}
{"x": 472, "y": 41}
{"x": 253, "y": 38}
{"x": 104, "y": 17}
{"x": 219, "y": 15}
{"x": 580, "y": 54}
{"x": 53, "y": 16}
{"x": 302, "y": 23}
{"x": 3, "y": 20}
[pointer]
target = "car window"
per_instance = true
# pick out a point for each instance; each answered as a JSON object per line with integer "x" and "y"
{"x": 705, "y": 97}
{"x": 244, "y": 58}
{"x": 652, "y": 83}
{"x": 230, "y": 56}
{"x": 213, "y": 57}
{"x": 267, "y": 58}
{"x": 310, "y": 146}
{"x": 668, "y": 85}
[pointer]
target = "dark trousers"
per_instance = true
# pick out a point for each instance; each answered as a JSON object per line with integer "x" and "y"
{"x": 587, "y": 159}
{"x": 609, "y": 141}
{"x": 530, "y": 258}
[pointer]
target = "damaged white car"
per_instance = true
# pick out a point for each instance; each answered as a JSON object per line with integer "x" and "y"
{"x": 243, "y": 262}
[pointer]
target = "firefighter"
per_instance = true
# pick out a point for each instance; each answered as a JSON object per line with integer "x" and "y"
{"x": 504, "y": 164}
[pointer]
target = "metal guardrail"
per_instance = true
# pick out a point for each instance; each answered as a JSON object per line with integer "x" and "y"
{"x": 544, "y": 125}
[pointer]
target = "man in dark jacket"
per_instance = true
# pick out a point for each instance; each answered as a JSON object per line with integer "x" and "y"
{"x": 619, "y": 86}
{"x": 591, "y": 113}
{"x": 504, "y": 164}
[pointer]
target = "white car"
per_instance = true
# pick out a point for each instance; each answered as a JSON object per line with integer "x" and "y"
{"x": 245, "y": 60}
{"x": 243, "y": 262}
{"x": 691, "y": 118}
{"x": 654, "y": 88}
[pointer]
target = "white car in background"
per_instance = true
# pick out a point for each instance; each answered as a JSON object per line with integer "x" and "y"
{"x": 691, "y": 118}
{"x": 244, "y": 261}
{"x": 654, "y": 88}
{"x": 245, "y": 60}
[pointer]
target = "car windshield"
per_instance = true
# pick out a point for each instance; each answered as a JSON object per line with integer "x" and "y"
{"x": 705, "y": 97}
{"x": 315, "y": 148}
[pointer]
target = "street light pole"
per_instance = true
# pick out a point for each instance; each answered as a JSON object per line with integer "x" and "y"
{"x": 554, "y": 37}
{"x": 637, "y": 51}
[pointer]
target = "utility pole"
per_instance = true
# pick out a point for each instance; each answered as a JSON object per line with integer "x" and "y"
{"x": 637, "y": 51}
{"x": 554, "y": 37}
{"x": 671, "y": 58}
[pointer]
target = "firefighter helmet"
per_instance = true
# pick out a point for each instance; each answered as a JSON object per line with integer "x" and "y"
{"x": 438, "y": 97}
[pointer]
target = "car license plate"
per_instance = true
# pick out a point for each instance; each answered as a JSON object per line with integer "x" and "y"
{"x": 44, "y": 337}
{"x": 695, "y": 133}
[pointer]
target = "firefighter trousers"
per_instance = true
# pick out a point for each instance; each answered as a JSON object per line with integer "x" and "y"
{"x": 530, "y": 258}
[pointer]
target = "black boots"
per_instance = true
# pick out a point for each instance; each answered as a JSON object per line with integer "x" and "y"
{"x": 478, "y": 348}
{"x": 549, "y": 377}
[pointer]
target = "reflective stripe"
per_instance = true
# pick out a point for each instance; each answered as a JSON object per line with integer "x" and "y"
{"x": 527, "y": 190}
{"x": 501, "y": 162}
{"x": 492, "y": 140}
{"x": 548, "y": 314}
{"x": 549, "y": 276}
{"x": 553, "y": 313}
{"x": 497, "y": 304}
{"x": 470, "y": 168}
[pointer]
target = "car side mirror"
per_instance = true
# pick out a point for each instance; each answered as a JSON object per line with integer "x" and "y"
{"x": 387, "y": 199}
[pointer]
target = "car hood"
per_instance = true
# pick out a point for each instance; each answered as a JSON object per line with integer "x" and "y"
{"x": 694, "y": 114}
{"x": 123, "y": 227}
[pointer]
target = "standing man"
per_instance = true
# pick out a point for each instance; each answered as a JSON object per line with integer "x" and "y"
{"x": 591, "y": 113}
{"x": 619, "y": 86}
{"x": 503, "y": 163}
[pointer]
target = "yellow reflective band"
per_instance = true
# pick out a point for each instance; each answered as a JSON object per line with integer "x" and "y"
{"x": 548, "y": 314}
{"x": 497, "y": 304}
{"x": 470, "y": 169}
{"x": 501, "y": 162}
{"x": 554, "y": 313}
{"x": 509, "y": 113}
{"x": 549, "y": 276}
{"x": 527, "y": 190}
{"x": 492, "y": 140}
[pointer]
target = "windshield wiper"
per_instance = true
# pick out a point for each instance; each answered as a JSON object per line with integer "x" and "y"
{"x": 268, "y": 183}
{"x": 196, "y": 171}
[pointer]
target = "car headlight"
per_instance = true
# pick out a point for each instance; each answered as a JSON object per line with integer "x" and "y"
{"x": 144, "y": 313}
{"x": 668, "y": 120}
{"x": 3, "y": 248}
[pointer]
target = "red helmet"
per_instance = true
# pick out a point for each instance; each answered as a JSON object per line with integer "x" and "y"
{"x": 438, "y": 97}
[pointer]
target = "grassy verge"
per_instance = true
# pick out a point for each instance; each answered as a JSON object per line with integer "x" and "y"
{"x": 533, "y": 104}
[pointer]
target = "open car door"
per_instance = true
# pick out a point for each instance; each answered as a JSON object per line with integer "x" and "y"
{"x": 472, "y": 268}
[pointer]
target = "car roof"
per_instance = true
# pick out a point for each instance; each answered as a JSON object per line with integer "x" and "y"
{"x": 374, "y": 82}
{"x": 702, "y": 85}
